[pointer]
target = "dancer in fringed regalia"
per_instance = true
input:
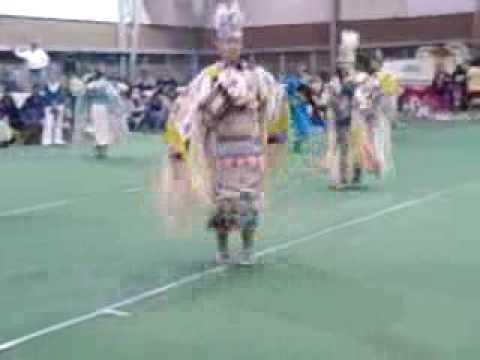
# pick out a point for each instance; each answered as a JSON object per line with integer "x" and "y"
{"x": 100, "y": 113}
{"x": 359, "y": 136}
{"x": 218, "y": 135}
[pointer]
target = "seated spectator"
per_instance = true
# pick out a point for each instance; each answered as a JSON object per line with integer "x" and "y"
{"x": 168, "y": 87}
{"x": 473, "y": 84}
{"x": 145, "y": 82}
{"x": 8, "y": 77}
{"x": 156, "y": 114}
{"x": 8, "y": 109}
{"x": 6, "y": 132}
{"x": 32, "y": 115}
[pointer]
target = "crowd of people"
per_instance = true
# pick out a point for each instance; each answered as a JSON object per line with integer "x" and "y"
{"x": 226, "y": 128}
{"x": 310, "y": 97}
{"x": 47, "y": 113}
{"x": 448, "y": 92}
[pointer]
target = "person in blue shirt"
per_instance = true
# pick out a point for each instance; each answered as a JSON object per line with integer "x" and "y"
{"x": 55, "y": 95}
{"x": 156, "y": 114}
{"x": 301, "y": 111}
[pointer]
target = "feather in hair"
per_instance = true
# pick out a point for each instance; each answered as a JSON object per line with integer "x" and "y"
{"x": 229, "y": 21}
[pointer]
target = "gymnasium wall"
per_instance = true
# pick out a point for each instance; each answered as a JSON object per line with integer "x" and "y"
{"x": 280, "y": 34}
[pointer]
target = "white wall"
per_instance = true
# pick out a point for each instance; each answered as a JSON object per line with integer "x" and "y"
{"x": 374, "y": 9}
{"x": 92, "y": 10}
{"x": 439, "y": 7}
{"x": 176, "y": 12}
{"x": 278, "y": 12}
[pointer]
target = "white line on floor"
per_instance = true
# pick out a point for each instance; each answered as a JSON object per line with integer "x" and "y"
{"x": 35, "y": 208}
{"x": 200, "y": 275}
{"x": 133, "y": 190}
{"x": 117, "y": 313}
{"x": 53, "y": 205}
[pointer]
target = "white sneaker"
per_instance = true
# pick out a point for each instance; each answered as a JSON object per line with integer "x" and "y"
{"x": 222, "y": 258}
{"x": 247, "y": 258}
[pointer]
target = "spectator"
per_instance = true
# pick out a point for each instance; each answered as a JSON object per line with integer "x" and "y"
{"x": 33, "y": 114}
{"x": 145, "y": 82}
{"x": 473, "y": 83}
{"x": 168, "y": 87}
{"x": 137, "y": 109}
{"x": 459, "y": 84}
{"x": 6, "y": 133}
{"x": 304, "y": 75}
{"x": 55, "y": 98}
{"x": 37, "y": 61}
{"x": 8, "y": 77}
{"x": 126, "y": 103}
{"x": 76, "y": 89}
{"x": 318, "y": 98}
{"x": 156, "y": 114}
{"x": 441, "y": 87}
{"x": 8, "y": 109}
{"x": 301, "y": 111}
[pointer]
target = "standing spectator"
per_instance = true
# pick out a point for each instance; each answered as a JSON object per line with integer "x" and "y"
{"x": 76, "y": 88}
{"x": 442, "y": 88}
{"x": 459, "y": 82}
{"x": 37, "y": 61}
{"x": 124, "y": 90}
{"x": 137, "y": 109}
{"x": 55, "y": 98}
{"x": 301, "y": 111}
{"x": 33, "y": 114}
{"x": 319, "y": 98}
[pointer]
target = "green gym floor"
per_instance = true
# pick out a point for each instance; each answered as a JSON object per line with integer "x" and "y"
{"x": 88, "y": 270}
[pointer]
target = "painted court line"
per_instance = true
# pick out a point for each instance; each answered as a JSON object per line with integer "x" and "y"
{"x": 218, "y": 269}
{"x": 55, "y": 204}
{"x": 117, "y": 313}
{"x": 133, "y": 190}
{"x": 35, "y": 208}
